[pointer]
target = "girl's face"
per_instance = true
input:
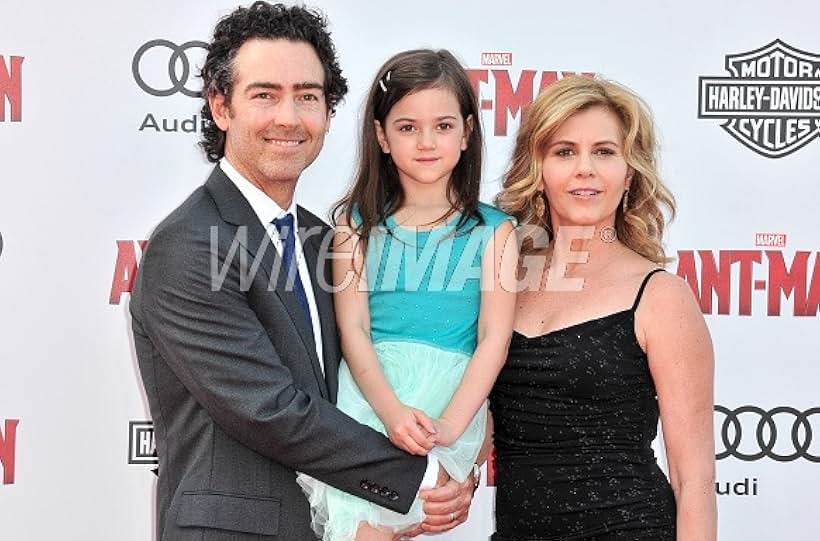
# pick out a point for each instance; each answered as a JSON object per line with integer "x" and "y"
{"x": 584, "y": 170}
{"x": 424, "y": 133}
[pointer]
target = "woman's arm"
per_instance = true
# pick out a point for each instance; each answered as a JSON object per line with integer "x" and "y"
{"x": 498, "y": 294}
{"x": 681, "y": 360}
{"x": 404, "y": 424}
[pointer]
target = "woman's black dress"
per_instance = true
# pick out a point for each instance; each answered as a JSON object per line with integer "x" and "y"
{"x": 575, "y": 414}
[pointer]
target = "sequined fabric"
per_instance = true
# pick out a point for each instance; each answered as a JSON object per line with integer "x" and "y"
{"x": 575, "y": 415}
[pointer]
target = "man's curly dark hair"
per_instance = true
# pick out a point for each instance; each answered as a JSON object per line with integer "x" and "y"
{"x": 265, "y": 21}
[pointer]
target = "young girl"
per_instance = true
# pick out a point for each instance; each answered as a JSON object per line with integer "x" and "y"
{"x": 424, "y": 298}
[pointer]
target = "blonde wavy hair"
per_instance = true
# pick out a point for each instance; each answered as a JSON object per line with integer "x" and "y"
{"x": 641, "y": 227}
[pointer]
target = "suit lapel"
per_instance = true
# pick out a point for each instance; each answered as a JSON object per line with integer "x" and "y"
{"x": 315, "y": 245}
{"x": 236, "y": 210}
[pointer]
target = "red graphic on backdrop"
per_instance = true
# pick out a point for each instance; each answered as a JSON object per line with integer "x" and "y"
{"x": 8, "y": 447}
{"x": 11, "y": 87}
{"x": 725, "y": 274}
{"x": 491, "y": 469}
{"x": 125, "y": 268}
{"x": 511, "y": 99}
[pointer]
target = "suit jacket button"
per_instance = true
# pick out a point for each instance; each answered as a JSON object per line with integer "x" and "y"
{"x": 365, "y": 484}
{"x": 385, "y": 492}
{"x": 393, "y": 496}
{"x": 374, "y": 488}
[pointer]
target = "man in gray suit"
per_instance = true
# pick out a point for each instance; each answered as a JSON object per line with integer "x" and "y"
{"x": 233, "y": 318}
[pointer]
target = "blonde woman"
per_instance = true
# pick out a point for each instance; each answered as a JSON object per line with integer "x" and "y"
{"x": 605, "y": 342}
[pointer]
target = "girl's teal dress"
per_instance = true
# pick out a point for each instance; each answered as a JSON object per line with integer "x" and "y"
{"x": 424, "y": 289}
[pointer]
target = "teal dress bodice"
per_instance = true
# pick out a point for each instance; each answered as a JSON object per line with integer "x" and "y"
{"x": 425, "y": 285}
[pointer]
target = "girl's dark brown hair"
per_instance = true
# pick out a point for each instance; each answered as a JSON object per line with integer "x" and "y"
{"x": 376, "y": 191}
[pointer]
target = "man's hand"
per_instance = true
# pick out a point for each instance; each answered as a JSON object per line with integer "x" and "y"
{"x": 446, "y": 506}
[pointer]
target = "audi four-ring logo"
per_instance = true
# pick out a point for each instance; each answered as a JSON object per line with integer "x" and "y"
{"x": 750, "y": 433}
{"x": 179, "y": 56}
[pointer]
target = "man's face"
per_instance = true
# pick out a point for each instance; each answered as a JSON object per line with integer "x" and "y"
{"x": 276, "y": 120}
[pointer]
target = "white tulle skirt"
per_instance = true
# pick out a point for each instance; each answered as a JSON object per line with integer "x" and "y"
{"x": 423, "y": 377}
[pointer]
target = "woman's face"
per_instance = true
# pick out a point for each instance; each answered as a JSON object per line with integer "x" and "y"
{"x": 584, "y": 170}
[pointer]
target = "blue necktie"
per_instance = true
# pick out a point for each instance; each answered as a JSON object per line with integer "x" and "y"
{"x": 287, "y": 234}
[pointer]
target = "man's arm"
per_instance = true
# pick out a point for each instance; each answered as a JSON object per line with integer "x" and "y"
{"x": 217, "y": 346}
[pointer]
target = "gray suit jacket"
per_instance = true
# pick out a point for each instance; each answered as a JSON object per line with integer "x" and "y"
{"x": 234, "y": 384}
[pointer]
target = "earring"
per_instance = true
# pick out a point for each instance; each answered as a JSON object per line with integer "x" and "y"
{"x": 539, "y": 206}
{"x": 625, "y": 204}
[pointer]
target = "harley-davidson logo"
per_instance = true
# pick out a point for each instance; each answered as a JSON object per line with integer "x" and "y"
{"x": 770, "y": 101}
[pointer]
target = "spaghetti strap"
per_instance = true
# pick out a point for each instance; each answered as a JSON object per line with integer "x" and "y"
{"x": 643, "y": 286}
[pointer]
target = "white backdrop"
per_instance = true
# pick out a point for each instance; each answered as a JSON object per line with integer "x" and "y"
{"x": 81, "y": 184}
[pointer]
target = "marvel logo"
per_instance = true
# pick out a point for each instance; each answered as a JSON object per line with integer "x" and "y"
{"x": 496, "y": 59}
{"x": 776, "y": 240}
